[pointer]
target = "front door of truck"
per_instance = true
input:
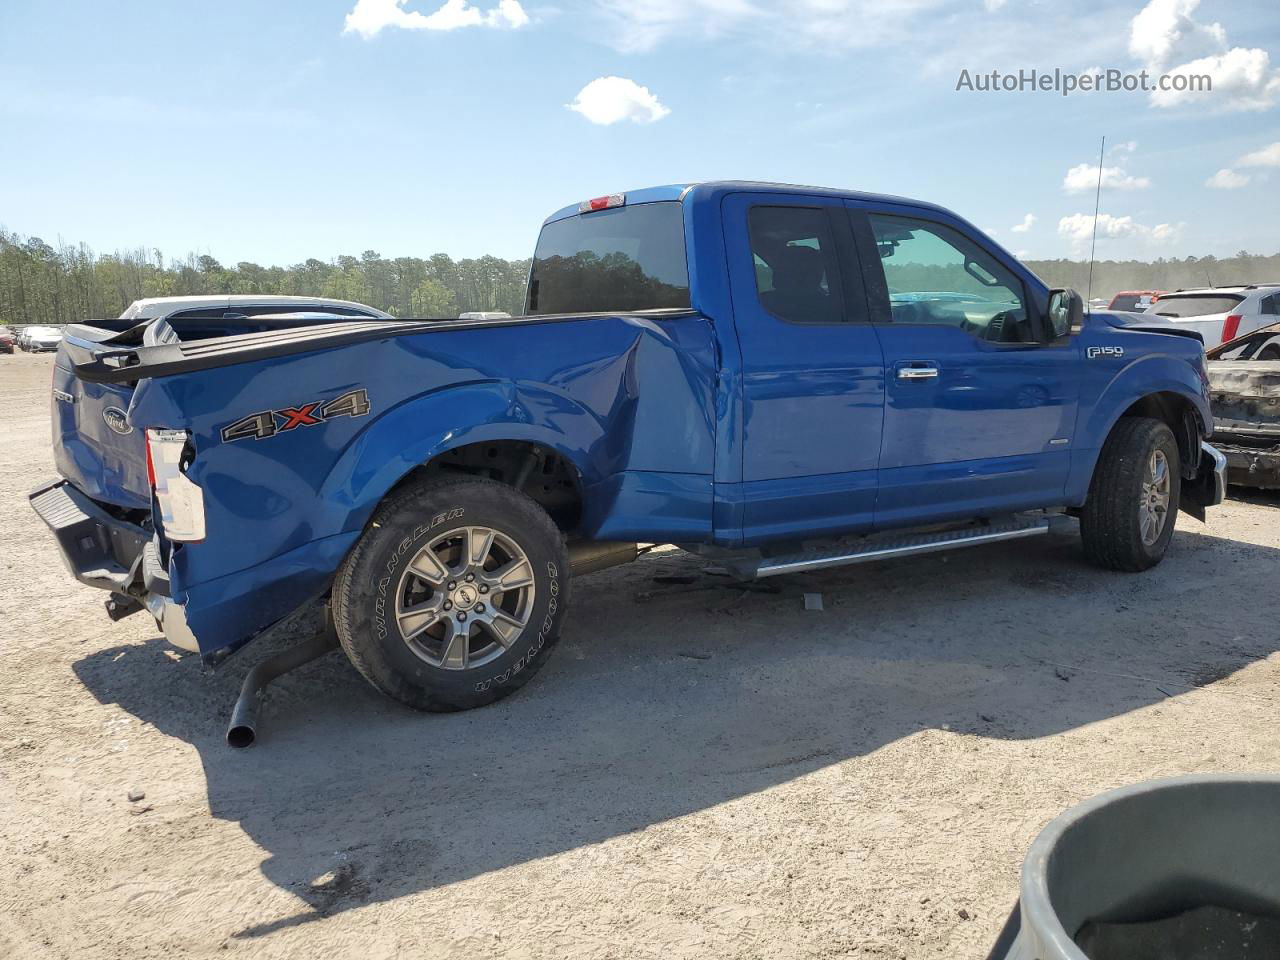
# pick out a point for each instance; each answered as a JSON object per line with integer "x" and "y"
{"x": 812, "y": 371}
{"x": 979, "y": 415}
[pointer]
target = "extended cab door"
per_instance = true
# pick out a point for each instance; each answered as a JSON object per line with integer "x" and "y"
{"x": 812, "y": 371}
{"x": 979, "y": 414}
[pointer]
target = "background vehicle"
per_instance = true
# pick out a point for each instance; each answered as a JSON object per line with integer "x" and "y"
{"x": 1134, "y": 301}
{"x": 484, "y": 315}
{"x": 8, "y": 339}
{"x": 784, "y": 378}
{"x": 194, "y": 318}
{"x": 1220, "y": 314}
{"x": 40, "y": 339}
{"x": 1244, "y": 384}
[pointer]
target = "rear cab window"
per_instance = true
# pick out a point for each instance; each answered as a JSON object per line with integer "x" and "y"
{"x": 1181, "y": 306}
{"x": 798, "y": 277}
{"x": 621, "y": 260}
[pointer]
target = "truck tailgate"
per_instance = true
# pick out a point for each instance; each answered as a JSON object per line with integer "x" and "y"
{"x": 95, "y": 445}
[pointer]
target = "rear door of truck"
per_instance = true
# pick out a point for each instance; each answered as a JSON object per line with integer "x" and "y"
{"x": 813, "y": 371}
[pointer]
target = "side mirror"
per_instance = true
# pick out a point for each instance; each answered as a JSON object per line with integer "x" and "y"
{"x": 1066, "y": 311}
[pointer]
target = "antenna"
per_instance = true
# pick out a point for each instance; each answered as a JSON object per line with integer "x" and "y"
{"x": 1097, "y": 205}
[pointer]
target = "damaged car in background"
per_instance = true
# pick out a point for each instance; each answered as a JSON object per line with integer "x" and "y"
{"x": 1244, "y": 379}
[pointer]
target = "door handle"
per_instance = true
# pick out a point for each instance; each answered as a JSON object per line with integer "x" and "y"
{"x": 918, "y": 372}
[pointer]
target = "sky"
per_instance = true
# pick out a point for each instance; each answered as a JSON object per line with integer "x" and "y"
{"x": 276, "y": 130}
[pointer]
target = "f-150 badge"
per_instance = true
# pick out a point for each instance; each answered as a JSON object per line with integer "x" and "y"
{"x": 1105, "y": 352}
{"x": 268, "y": 423}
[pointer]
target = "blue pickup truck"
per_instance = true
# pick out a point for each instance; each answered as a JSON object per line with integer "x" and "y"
{"x": 781, "y": 378}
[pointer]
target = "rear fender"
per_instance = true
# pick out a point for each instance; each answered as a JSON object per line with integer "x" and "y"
{"x": 395, "y": 444}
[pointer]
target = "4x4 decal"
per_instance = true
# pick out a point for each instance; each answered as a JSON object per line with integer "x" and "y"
{"x": 268, "y": 423}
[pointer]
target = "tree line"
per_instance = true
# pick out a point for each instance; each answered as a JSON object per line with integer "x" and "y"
{"x": 1110, "y": 276}
{"x": 41, "y": 283}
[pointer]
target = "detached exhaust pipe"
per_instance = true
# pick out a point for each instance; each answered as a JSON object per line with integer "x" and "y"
{"x": 244, "y": 717}
{"x": 588, "y": 556}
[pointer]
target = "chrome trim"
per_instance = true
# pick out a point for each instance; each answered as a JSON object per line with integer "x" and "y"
{"x": 904, "y": 547}
{"x": 1219, "y": 472}
{"x": 172, "y": 620}
{"x": 917, "y": 373}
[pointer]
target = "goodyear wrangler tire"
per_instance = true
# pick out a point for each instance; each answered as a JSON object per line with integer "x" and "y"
{"x": 454, "y": 595}
{"x": 1128, "y": 519}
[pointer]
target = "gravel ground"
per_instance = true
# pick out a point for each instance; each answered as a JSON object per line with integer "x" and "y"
{"x": 701, "y": 770}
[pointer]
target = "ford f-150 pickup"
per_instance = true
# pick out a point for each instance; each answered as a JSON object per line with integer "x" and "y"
{"x": 782, "y": 378}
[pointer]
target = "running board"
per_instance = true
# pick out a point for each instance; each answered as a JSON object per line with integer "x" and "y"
{"x": 898, "y": 546}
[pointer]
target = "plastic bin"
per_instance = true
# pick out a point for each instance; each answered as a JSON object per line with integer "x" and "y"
{"x": 1181, "y": 868}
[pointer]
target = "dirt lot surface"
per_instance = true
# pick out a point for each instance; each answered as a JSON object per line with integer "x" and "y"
{"x": 701, "y": 770}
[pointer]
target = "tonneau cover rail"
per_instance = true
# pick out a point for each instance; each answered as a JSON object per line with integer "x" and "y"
{"x": 167, "y": 360}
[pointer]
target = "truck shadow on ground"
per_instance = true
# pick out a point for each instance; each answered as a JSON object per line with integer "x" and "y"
{"x": 674, "y": 690}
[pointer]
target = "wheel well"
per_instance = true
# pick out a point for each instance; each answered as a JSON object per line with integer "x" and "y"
{"x": 1182, "y": 418}
{"x": 540, "y": 473}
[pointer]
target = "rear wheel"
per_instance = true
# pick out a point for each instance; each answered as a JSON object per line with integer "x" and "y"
{"x": 454, "y": 596}
{"x": 1128, "y": 520}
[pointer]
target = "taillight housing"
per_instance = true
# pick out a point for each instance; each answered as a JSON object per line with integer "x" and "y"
{"x": 181, "y": 501}
{"x": 1230, "y": 327}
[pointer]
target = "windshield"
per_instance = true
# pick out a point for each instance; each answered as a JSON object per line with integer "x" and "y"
{"x": 1194, "y": 305}
{"x": 620, "y": 260}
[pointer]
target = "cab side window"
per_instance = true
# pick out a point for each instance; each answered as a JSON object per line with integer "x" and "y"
{"x": 936, "y": 275}
{"x": 797, "y": 271}
{"x": 1269, "y": 305}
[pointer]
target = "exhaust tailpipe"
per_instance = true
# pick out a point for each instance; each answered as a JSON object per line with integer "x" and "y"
{"x": 588, "y": 556}
{"x": 244, "y": 716}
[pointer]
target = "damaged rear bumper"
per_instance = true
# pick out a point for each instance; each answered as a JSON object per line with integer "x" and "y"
{"x": 1253, "y": 462}
{"x": 105, "y": 551}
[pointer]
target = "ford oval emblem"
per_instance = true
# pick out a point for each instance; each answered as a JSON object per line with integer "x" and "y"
{"x": 114, "y": 418}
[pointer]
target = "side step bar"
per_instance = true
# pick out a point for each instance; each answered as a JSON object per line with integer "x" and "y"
{"x": 882, "y": 548}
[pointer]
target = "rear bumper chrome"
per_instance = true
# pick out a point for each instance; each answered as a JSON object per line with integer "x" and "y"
{"x": 172, "y": 618}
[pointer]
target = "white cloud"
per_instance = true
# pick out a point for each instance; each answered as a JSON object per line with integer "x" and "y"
{"x": 608, "y": 100}
{"x": 1078, "y": 228}
{"x": 1268, "y": 156}
{"x": 370, "y": 17}
{"x": 1027, "y": 223}
{"x": 1083, "y": 178}
{"x": 638, "y": 25}
{"x": 1163, "y": 33}
{"x": 1167, "y": 40}
{"x": 1227, "y": 179}
{"x": 1242, "y": 79}
{"x": 992, "y": 6}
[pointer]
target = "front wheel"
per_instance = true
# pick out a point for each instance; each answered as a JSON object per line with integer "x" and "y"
{"x": 1128, "y": 520}
{"x": 454, "y": 595}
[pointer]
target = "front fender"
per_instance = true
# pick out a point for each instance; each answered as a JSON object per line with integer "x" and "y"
{"x": 1115, "y": 391}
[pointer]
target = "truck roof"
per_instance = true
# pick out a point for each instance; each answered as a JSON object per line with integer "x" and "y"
{"x": 678, "y": 191}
